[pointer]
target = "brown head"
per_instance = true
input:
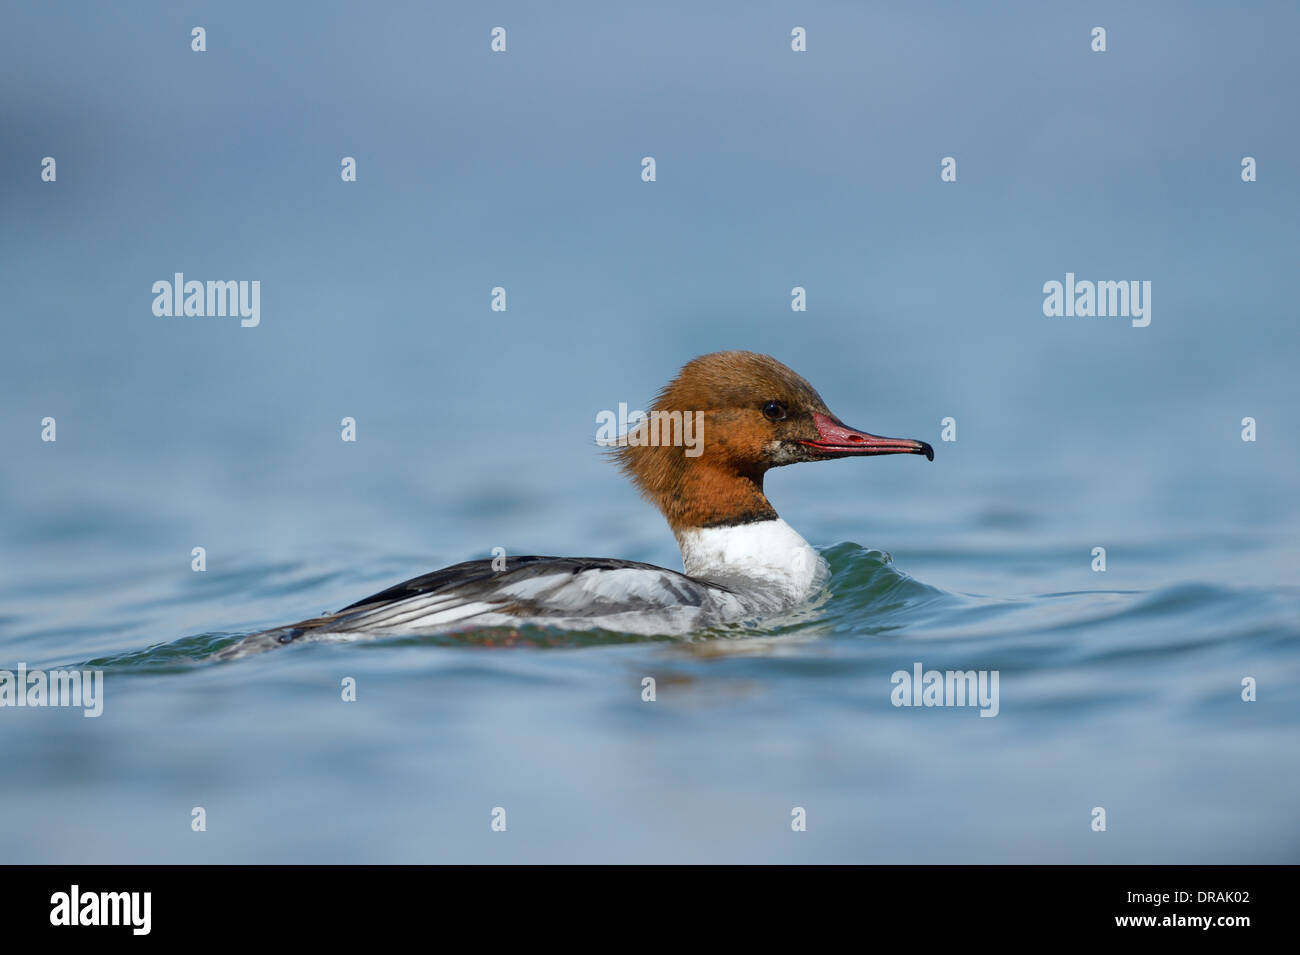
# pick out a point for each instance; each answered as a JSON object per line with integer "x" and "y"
{"x": 754, "y": 414}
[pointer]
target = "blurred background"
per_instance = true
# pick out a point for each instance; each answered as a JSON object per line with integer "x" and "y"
{"x": 475, "y": 428}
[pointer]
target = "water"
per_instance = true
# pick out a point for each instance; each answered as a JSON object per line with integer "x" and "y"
{"x": 1111, "y": 695}
{"x": 1118, "y": 689}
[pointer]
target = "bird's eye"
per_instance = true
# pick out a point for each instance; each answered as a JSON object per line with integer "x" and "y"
{"x": 774, "y": 411}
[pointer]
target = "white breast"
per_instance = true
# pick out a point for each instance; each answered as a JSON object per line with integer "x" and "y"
{"x": 766, "y": 559}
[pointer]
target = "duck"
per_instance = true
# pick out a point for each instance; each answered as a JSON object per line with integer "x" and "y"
{"x": 699, "y": 456}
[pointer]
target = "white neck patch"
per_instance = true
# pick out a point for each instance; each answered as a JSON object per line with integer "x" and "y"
{"x": 767, "y": 558}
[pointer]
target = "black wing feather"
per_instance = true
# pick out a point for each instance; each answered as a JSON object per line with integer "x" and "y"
{"x": 465, "y": 575}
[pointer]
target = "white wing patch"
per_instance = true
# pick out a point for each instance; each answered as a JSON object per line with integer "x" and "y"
{"x": 627, "y": 599}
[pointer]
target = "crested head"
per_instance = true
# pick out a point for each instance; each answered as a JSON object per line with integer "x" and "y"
{"x": 749, "y": 413}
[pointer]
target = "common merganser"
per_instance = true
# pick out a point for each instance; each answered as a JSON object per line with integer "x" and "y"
{"x": 740, "y": 560}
